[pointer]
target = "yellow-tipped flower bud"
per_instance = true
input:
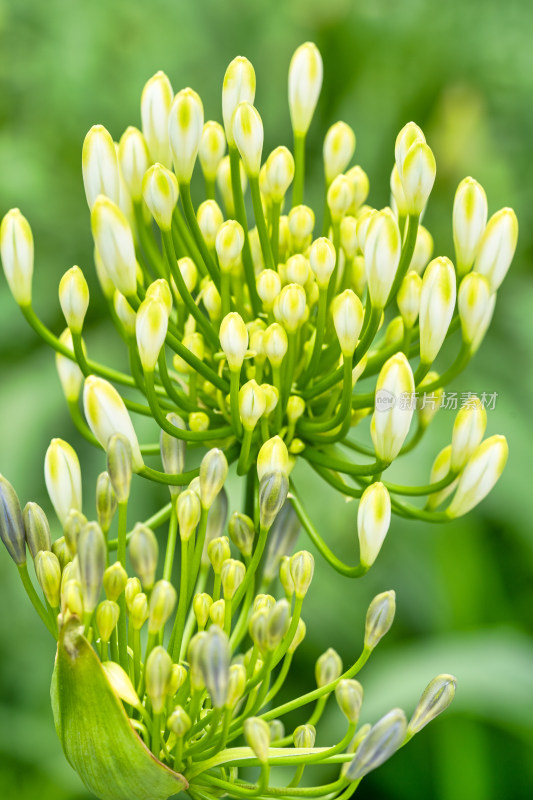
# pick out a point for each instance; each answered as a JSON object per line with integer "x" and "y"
{"x": 63, "y": 478}
{"x": 48, "y": 572}
{"x": 408, "y": 135}
{"x": 340, "y": 197}
{"x": 276, "y": 343}
{"x": 125, "y": 313}
{"x": 497, "y": 247}
{"x": 185, "y": 126}
{"x": 217, "y": 613}
{"x": 158, "y": 674}
{"x": 480, "y": 475}
{"x": 328, "y": 667}
{"x": 380, "y": 743}
{"x": 177, "y": 679}
{"x": 257, "y": 735}
{"x": 236, "y": 684}
{"x": 134, "y": 160}
{"x": 70, "y": 375}
{"x": 107, "y": 615}
{"x": 234, "y": 340}
{"x": 151, "y": 330}
{"x": 322, "y": 258}
{"x": 162, "y": 602}
{"x": 379, "y": 618}
{"x": 268, "y": 285}
{"x": 469, "y": 221}
{"x": 139, "y": 611}
{"x": 302, "y": 567}
{"x": 160, "y": 193}
{"x": 408, "y": 297}
{"x": 201, "y": 606}
{"x": 252, "y": 404}
{"x": 247, "y": 128}
{"x": 273, "y": 457}
{"x": 417, "y": 174}
{"x": 285, "y": 576}
{"x": 273, "y": 490}
{"x": 437, "y": 303}
{"x": 121, "y": 683}
{"x": 295, "y": 408}
{"x": 213, "y": 473}
{"x": 435, "y": 699}
{"x": 92, "y": 556}
{"x": 37, "y": 528}
{"x": 475, "y": 302}
{"x": 144, "y": 552}
{"x": 218, "y": 551}
{"x": 278, "y": 622}
{"x": 291, "y": 307}
{"x": 210, "y": 218}
{"x": 100, "y": 165}
{"x": 242, "y": 533}
{"x": 114, "y": 241}
{"x": 339, "y": 147}
{"x": 301, "y": 225}
{"x": 212, "y": 149}
{"x": 106, "y": 501}
{"x": 373, "y": 521}
{"x": 398, "y": 201}
{"x": 349, "y": 696}
{"x": 439, "y": 470}
{"x": 74, "y": 298}
{"x": 179, "y": 722}
{"x": 279, "y": 172}
{"x": 156, "y": 100}
{"x": 468, "y": 430}
{"x": 232, "y": 575}
{"x": 16, "y": 248}
{"x": 299, "y": 636}
{"x": 271, "y": 397}
{"x": 133, "y": 588}
{"x": 297, "y": 270}
{"x": 115, "y": 580}
{"x": 189, "y": 273}
{"x": 72, "y": 528}
{"x": 305, "y": 82}
{"x": 423, "y": 250}
{"x": 106, "y": 414}
{"x": 393, "y": 407}
{"x": 361, "y": 187}
{"x": 382, "y": 247}
{"x": 106, "y": 284}
{"x": 304, "y": 736}
{"x": 160, "y": 290}
{"x": 229, "y": 243}
{"x": 238, "y": 87}
{"x": 189, "y": 511}
{"x": 348, "y": 316}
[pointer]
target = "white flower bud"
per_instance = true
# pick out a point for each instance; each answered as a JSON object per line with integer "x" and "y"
{"x": 100, "y": 165}
{"x": 257, "y": 735}
{"x": 189, "y": 273}
{"x": 213, "y": 473}
{"x": 497, "y": 247}
{"x": 238, "y": 87}
{"x": 305, "y": 82}
{"x": 151, "y": 329}
{"x": 339, "y": 147}
{"x": 292, "y": 307}
{"x": 408, "y": 135}
{"x": 233, "y": 340}
{"x": 398, "y": 201}
{"x": 348, "y": 315}
{"x": 272, "y": 457}
{"x": 160, "y": 193}
{"x": 469, "y": 221}
{"x": 439, "y": 470}
{"x": 380, "y": 743}
{"x": 301, "y": 224}
{"x": 70, "y": 374}
{"x": 379, "y": 618}
{"x": 212, "y": 301}
{"x": 382, "y": 248}
{"x": 276, "y": 344}
{"x": 210, "y": 218}
{"x": 252, "y": 404}
{"x": 418, "y": 176}
{"x": 16, "y": 247}
{"x": 156, "y": 100}
{"x": 185, "y": 126}
{"x": 302, "y": 567}
{"x": 271, "y": 397}
{"x": 74, "y": 298}
{"x": 348, "y": 235}
{"x": 212, "y": 149}
{"x": 474, "y": 301}
{"x": 363, "y": 224}
{"x": 106, "y": 284}
{"x": 125, "y": 313}
{"x": 393, "y": 407}
{"x": 468, "y": 430}
{"x": 114, "y": 241}
{"x": 340, "y": 197}
{"x": 229, "y": 243}
{"x": 437, "y": 303}
{"x": 280, "y": 172}
{"x": 62, "y": 476}
{"x": 247, "y": 129}
{"x": 297, "y": 270}
{"x": 435, "y": 699}
{"x": 268, "y": 285}
{"x": 480, "y": 475}
{"x": 408, "y": 297}
{"x": 361, "y": 187}
{"x": 160, "y": 290}
{"x": 134, "y": 160}
{"x": 328, "y": 667}
{"x": 373, "y": 521}
{"x": 106, "y": 414}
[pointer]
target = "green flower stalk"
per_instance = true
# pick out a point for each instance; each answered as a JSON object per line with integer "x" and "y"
{"x": 249, "y": 332}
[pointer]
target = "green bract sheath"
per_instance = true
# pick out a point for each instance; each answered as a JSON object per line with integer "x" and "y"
{"x": 95, "y": 732}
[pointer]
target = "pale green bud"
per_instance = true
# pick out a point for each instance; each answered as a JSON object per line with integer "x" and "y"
{"x": 247, "y": 128}
{"x": 151, "y": 330}
{"x": 302, "y": 568}
{"x": 194, "y": 342}
{"x": 115, "y": 580}
{"x": 322, "y": 258}
{"x": 281, "y": 539}
{"x": 278, "y": 622}
{"x": 280, "y": 172}
{"x": 238, "y": 87}
{"x": 236, "y": 684}
{"x": 301, "y": 225}
{"x": 252, "y": 404}
{"x": 193, "y": 655}
{"x": 212, "y": 148}
{"x": 134, "y": 160}
{"x": 285, "y": 576}
{"x": 340, "y": 197}
{"x": 497, "y": 247}
{"x": 139, "y": 611}
{"x": 232, "y": 575}
{"x": 37, "y": 528}
{"x": 417, "y": 173}
{"x": 379, "y": 618}
{"x": 276, "y": 343}
{"x": 213, "y": 303}
{"x": 395, "y": 332}
{"x": 125, "y": 313}
{"x": 277, "y": 730}
{"x": 224, "y": 183}
{"x": 272, "y": 457}
{"x": 373, "y": 521}
{"x": 349, "y": 696}
{"x": 291, "y": 307}
{"x": 480, "y": 475}
{"x": 468, "y": 430}
{"x": 72, "y": 598}
{"x": 423, "y": 250}
{"x": 210, "y": 219}
{"x": 229, "y": 243}
{"x": 382, "y": 247}
{"x": 156, "y": 100}
{"x": 185, "y": 126}
{"x": 437, "y": 303}
{"x": 435, "y": 699}
{"x": 61, "y": 550}
{"x": 304, "y": 736}
{"x": 213, "y": 473}
{"x": 475, "y": 303}
{"x": 218, "y": 551}
{"x": 74, "y": 298}
{"x": 214, "y": 659}
{"x": 144, "y": 552}
{"x": 189, "y": 510}
{"x": 70, "y": 375}
{"x": 242, "y": 533}
{"x": 348, "y": 316}
{"x": 62, "y": 475}
{"x": 72, "y": 528}
{"x": 16, "y": 248}
{"x": 408, "y": 135}
{"x": 361, "y": 187}
{"x": 48, "y": 572}
{"x": 428, "y": 404}
{"x": 119, "y": 466}
{"x": 295, "y": 408}
{"x": 408, "y": 297}
{"x": 216, "y": 521}
{"x": 469, "y": 221}
{"x": 439, "y": 470}
{"x": 100, "y": 165}
{"x": 92, "y": 556}
{"x": 189, "y": 273}
{"x": 234, "y": 340}
{"x": 132, "y": 589}
{"x": 106, "y": 414}
{"x": 162, "y": 602}
{"x": 392, "y": 417}
{"x": 107, "y": 615}
{"x": 160, "y": 193}
{"x": 201, "y": 605}
{"x": 273, "y": 490}
{"x": 257, "y": 627}
{"x": 173, "y": 450}
{"x": 121, "y": 683}
{"x": 299, "y": 636}
{"x": 268, "y": 285}
{"x": 380, "y": 743}
{"x": 179, "y": 722}
{"x": 271, "y": 398}
{"x": 114, "y": 241}
{"x": 158, "y": 674}
{"x": 217, "y": 613}
{"x": 106, "y": 501}
{"x": 339, "y": 147}
{"x": 328, "y": 667}
{"x": 257, "y": 736}
{"x": 177, "y": 679}
{"x": 305, "y": 82}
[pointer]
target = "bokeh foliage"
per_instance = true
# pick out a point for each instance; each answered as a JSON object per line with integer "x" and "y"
{"x": 463, "y": 70}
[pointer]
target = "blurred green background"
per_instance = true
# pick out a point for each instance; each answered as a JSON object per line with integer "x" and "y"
{"x": 462, "y": 69}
